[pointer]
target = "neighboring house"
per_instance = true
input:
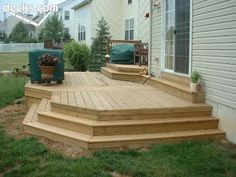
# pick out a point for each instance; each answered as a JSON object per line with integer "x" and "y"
{"x": 67, "y": 15}
{"x": 2, "y": 30}
{"x": 126, "y": 19}
{"x": 199, "y": 35}
{"x": 10, "y": 22}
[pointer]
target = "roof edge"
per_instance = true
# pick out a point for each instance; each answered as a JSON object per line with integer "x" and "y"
{"x": 81, "y": 4}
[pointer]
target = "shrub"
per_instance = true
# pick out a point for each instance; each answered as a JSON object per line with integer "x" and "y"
{"x": 77, "y": 55}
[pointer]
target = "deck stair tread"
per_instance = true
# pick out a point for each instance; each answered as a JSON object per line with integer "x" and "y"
{"x": 165, "y": 135}
{"x": 113, "y": 71}
{"x": 125, "y": 122}
{"x": 173, "y": 84}
{"x": 60, "y": 131}
{"x": 127, "y": 68}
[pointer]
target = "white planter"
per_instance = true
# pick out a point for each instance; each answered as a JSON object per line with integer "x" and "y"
{"x": 195, "y": 87}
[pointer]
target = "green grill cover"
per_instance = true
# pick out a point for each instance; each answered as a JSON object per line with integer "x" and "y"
{"x": 122, "y": 54}
{"x": 35, "y": 72}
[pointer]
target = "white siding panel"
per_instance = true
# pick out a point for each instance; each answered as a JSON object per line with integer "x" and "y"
{"x": 214, "y": 49}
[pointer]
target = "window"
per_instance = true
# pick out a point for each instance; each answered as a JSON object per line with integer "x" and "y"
{"x": 67, "y": 30}
{"x": 81, "y": 33}
{"x": 129, "y": 1}
{"x": 129, "y": 29}
{"x": 67, "y": 15}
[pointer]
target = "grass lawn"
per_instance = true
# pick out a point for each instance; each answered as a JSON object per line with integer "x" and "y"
{"x": 9, "y": 61}
{"x": 11, "y": 88}
{"x": 29, "y": 158}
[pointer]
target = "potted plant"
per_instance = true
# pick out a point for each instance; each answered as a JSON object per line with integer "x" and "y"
{"x": 47, "y": 64}
{"x": 195, "y": 85}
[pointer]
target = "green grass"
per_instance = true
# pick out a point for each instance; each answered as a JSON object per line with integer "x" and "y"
{"x": 29, "y": 158}
{"x": 10, "y": 61}
{"x": 11, "y": 88}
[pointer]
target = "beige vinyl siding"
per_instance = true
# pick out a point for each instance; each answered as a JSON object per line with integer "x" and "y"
{"x": 214, "y": 48}
{"x": 156, "y": 40}
{"x": 144, "y": 24}
{"x": 112, "y": 11}
{"x": 214, "y": 56}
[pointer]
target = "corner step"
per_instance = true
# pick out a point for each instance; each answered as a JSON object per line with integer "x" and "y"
{"x": 57, "y": 134}
{"x": 126, "y": 127}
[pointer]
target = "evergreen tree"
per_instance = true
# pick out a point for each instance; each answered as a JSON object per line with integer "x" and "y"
{"x": 99, "y": 46}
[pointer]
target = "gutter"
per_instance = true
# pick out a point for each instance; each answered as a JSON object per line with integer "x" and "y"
{"x": 150, "y": 40}
{"x": 81, "y": 4}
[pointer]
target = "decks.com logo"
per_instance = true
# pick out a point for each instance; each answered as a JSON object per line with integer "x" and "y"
{"x": 19, "y": 10}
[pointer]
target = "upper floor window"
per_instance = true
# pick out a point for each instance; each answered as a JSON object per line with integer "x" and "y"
{"x": 67, "y": 15}
{"x": 129, "y": 1}
{"x": 81, "y": 33}
{"x": 129, "y": 29}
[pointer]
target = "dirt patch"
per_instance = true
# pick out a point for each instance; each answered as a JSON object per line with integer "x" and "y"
{"x": 11, "y": 119}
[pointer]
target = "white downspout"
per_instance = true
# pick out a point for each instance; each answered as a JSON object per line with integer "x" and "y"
{"x": 150, "y": 40}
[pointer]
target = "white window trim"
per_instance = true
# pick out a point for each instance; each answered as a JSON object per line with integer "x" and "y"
{"x": 80, "y": 32}
{"x": 129, "y": 28}
{"x": 66, "y": 16}
{"x": 163, "y": 23}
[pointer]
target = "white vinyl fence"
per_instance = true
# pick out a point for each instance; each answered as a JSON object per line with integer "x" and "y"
{"x": 20, "y": 47}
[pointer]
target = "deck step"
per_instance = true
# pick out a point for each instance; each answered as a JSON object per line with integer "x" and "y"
{"x": 57, "y": 134}
{"x": 61, "y": 133}
{"x": 176, "y": 89}
{"x": 125, "y": 127}
{"x": 133, "y": 114}
{"x": 147, "y": 140}
{"x": 127, "y": 68}
{"x": 124, "y": 76}
{"x": 117, "y": 141}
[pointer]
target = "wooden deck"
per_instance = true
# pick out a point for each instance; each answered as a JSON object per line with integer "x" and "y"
{"x": 103, "y": 113}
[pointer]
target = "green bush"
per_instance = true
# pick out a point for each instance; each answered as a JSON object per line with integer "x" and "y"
{"x": 77, "y": 55}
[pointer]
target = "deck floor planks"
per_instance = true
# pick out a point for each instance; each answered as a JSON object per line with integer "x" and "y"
{"x": 96, "y": 91}
{"x": 71, "y": 98}
{"x": 79, "y": 99}
{"x": 87, "y": 99}
{"x": 97, "y": 103}
{"x": 106, "y": 104}
{"x": 64, "y": 97}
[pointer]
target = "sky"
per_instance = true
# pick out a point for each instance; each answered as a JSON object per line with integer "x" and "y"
{"x": 17, "y": 2}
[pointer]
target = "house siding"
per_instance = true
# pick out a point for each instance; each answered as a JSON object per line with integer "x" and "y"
{"x": 112, "y": 12}
{"x": 144, "y": 23}
{"x": 214, "y": 56}
{"x": 72, "y": 22}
